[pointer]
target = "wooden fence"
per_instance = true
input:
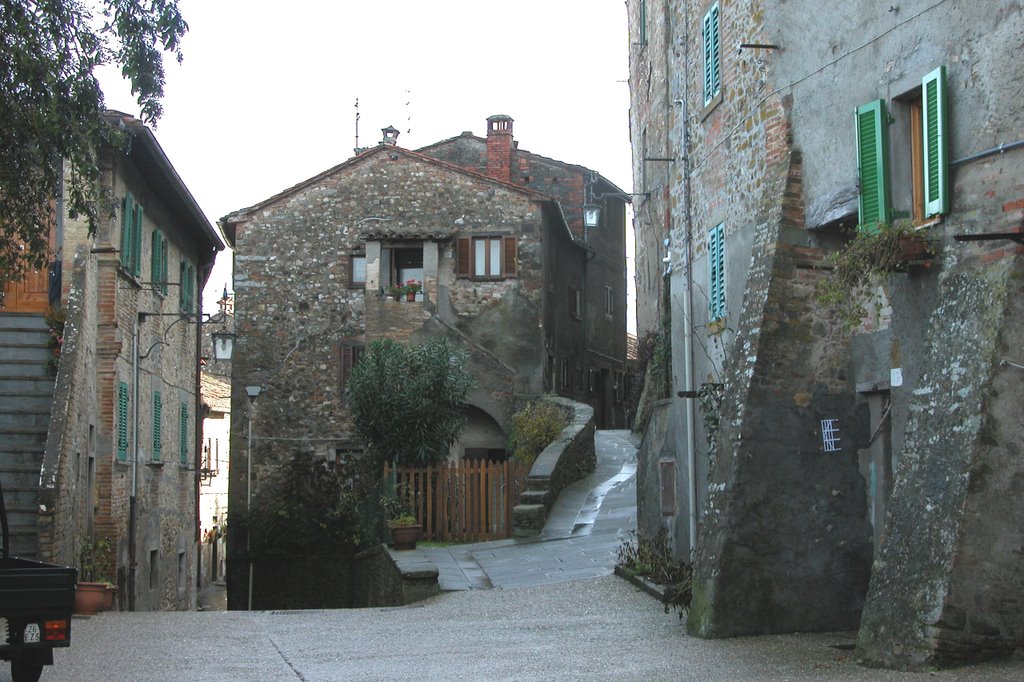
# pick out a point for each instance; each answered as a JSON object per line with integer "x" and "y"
{"x": 467, "y": 501}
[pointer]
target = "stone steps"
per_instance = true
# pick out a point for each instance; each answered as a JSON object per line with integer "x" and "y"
{"x": 26, "y": 397}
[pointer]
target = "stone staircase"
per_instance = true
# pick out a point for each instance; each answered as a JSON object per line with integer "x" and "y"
{"x": 26, "y": 396}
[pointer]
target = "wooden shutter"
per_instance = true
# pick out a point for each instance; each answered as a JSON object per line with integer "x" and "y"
{"x": 716, "y": 273}
{"x": 136, "y": 265}
{"x": 712, "y": 75}
{"x": 872, "y": 165}
{"x": 154, "y": 260}
{"x": 348, "y": 360}
{"x": 463, "y": 257}
{"x": 122, "y": 421}
{"x": 509, "y": 257}
{"x": 163, "y": 264}
{"x": 157, "y": 434}
{"x": 127, "y": 223}
{"x": 183, "y": 433}
{"x": 936, "y": 164}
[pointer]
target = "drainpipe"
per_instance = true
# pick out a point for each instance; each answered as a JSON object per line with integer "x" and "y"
{"x": 132, "y": 499}
{"x": 691, "y": 448}
{"x": 198, "y": 441}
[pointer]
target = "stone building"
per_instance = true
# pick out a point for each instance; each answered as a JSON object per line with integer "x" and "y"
{"x": 108, "y": 448}
{"x": 509, "y": 272}
{"x": 823, "y": 477}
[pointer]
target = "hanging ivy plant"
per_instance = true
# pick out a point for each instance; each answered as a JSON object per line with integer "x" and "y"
{"x": 864, "y": 262}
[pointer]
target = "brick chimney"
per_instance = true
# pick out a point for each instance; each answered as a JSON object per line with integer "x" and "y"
{"x": 499, "y": 147}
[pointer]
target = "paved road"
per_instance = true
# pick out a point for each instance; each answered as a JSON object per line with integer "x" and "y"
{"x": 570, "y": 621}
{"x": 584, "y": 529}
{"x": 594, "y": 629}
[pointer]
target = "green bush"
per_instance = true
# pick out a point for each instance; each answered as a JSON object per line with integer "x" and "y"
{"x": 534, "y": 428}
{"x": 409, "y": 402}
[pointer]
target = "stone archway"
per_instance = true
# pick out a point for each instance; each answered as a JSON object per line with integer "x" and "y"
{"x": 483, "y": 438}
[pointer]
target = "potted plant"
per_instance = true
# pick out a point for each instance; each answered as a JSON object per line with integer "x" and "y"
{"x": 405, "y": 531}
{"x": 95, "y": 590}
{"x": 872, "y": 254}
{"x": 411, "y": 288}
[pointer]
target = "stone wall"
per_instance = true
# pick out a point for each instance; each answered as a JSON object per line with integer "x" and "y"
{"x": 787, "y": 535}
{"x": 372, "y": 578}
{"x": 652, "y": 114}
{"x": 568, "y": 458}
{"x": 103, "y": 303}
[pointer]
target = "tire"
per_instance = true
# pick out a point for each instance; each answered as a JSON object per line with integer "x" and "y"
{"x": 25, "y": 671}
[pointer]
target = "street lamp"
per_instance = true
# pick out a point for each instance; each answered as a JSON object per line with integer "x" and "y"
{"x": 223, "y": 345}
{"x": 252, "y": 392}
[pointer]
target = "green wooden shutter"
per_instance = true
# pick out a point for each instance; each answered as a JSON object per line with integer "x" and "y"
{"x": 127, "y": 223}
{"x": 712, "y": 55}
{"x": 936, "y": 163}
{"x": 873, "y": 165}
{"x": 643, "y": 21}
{"x": 136, "y": 264}
{"x": 716, "y": 272}
{"x": 122, "y": 421}
{"x": 154, "y": 259}
{"x": 157, "y": 434}
{"x": 183, "y": 433}
{"x": 163, "y": 265}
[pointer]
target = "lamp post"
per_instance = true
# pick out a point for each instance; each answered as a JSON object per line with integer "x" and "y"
{"x": 251, "y": 392}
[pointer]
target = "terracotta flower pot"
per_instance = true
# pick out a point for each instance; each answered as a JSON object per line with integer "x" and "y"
{"x": 913, "y": 248}
{"x": 405, "y": 537}
{"x": 89, "y": 598}
{"x": 410, "y": 296}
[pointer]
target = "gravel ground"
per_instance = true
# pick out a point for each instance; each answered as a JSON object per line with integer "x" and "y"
{"x": 597, "y": 629}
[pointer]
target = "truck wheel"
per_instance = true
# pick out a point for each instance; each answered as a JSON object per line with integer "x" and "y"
{"x": 25, "y": 671}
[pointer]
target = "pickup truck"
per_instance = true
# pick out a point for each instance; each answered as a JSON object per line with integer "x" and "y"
{"x": 36, "y": 602}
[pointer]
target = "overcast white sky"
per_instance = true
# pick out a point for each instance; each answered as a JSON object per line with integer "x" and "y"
{"x": 265, "y": 96}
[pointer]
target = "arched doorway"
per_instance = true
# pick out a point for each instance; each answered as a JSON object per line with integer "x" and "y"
{"x": 483, "y": 438}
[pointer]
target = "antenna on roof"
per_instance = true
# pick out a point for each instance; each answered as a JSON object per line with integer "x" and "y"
{"x": 357, "y": 126}
{"x": 408, "y": 111}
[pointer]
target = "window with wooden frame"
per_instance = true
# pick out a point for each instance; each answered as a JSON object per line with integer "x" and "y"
{"x": 350, "y": 353}
{"x": 357, "y": 270}
{"x": 711, "y": 38}
{"x": 486, "y": 258}
{"x": 609, "y": 301}
{"x": 924, "y": 180}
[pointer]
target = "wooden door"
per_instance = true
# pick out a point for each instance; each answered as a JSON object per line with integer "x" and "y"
{"x": 32, "y": 293}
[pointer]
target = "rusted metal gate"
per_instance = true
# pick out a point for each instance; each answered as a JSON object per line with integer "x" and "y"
{"x": 469, "y": 501}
